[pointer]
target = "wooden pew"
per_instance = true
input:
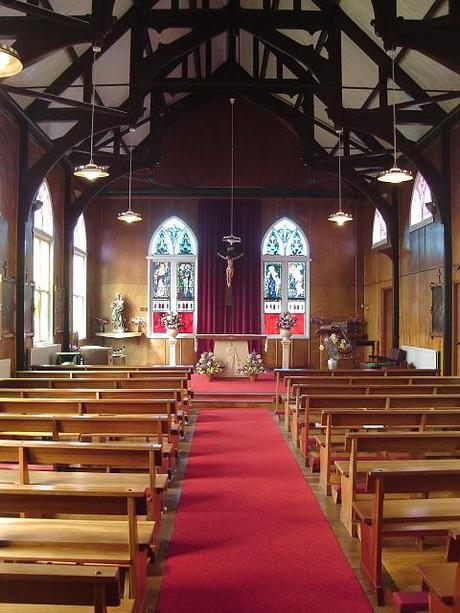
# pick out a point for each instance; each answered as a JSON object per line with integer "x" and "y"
{"x": 76, "y": 373}
{"x": 282, "y": 374}
{"x": 314, "y": 405}
{"x": 442, "y": 581}
{"x": 401, "y": 518}
{"x": 414, "y": 444}
{"x": 298, "y": 386}
{"x": 53, "y": 588}
{"x": 336, "y": 423}
{"x": 122, "y": 543}
{"x": 96, "y": 394}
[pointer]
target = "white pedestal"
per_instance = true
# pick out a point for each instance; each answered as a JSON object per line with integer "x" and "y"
{"x": 172, "y": 350}
{"x": 286, "y": 349}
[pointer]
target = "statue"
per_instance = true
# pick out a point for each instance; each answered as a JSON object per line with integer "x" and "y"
{"x": 230, "y": 270}
{"x": 118, "y": 306}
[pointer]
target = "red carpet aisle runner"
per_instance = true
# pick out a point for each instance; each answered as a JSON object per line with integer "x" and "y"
{"x": 249, "y": 535}
{"x": 264, "y": 383}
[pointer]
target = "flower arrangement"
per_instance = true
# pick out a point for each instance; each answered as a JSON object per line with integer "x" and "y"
{"x": 101, "y": 323}
{"x": 138, "y": 320}
{"x": 171, "y": 320}
{"x": 286, "y": 321}
{"x": 335, "y": 346}
{"x": 253, "y": 365}
{"x": 208, "y": 364}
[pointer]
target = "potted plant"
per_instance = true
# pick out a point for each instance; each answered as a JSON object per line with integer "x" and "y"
{"x": 253, "y": 366}
{"x": 285, "y": 323}
{"x": 138, "y": 321}
{"x": 208, "y": 365}
{"x": 172, "y": 323}
{"x": 335, "y": 347}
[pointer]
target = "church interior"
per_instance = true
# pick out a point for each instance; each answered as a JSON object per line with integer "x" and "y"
{"x": 229, "y": 306}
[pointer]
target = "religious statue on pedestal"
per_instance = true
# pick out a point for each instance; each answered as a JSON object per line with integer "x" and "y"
{"x": 118, "y": 306}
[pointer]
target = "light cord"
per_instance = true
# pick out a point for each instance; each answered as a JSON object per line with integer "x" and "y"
{"x": 130, "y": 169}
{"x": 93, "y": 96}
{"x": 232, "y": 189}
{"x": 340, "y": 170}
{"x": 394, "y": 104}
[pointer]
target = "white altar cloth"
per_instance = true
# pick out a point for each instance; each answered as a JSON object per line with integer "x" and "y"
{"x": 230, "y": 349}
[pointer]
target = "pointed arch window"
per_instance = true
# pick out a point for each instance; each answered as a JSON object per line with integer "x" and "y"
{"x": 285, "y": 277}
{"x": 172, "y": 275}
{"x": 43, "y": 231}
{"x": 379, "y": 230}
{"x": 79, "y": 278}
{"x": 421, "y": 197}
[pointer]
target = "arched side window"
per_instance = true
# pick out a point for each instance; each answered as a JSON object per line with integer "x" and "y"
{"x": 421, "y": 196}
{"x": 379, "y": 230}
{"x": 79, "y": 278}
{"x": 173, "y": 275}
{"x": 43, "y": 266}
{"x": 285, "y": 277}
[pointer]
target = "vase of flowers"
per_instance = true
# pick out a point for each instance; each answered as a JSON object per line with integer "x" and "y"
{"x": 208, "y": 365}
{"x": 138, "y": 321}
{"x": 253, "y": 366}
{"x": 335, "y": 346}
{"x": 101, "y": 323}
{"x": 172, "y": 323}
{"x": 285, "y": 323}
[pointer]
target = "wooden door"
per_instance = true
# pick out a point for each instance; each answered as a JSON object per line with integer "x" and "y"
{"x": 386, "y": 318}
{"x": 456, "y": 330}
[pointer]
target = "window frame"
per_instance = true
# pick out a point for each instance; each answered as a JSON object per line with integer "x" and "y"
{"x": 42, "y": 236}
{"x": 79, "y": 252}
{"x": 384, "y": 241}
{"x": 285, "y": 260}
{"x": 428, "y": 220}
{"x": 174, "y": 260}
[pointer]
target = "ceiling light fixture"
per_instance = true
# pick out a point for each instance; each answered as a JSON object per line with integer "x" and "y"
{"x": 10, "y": 62}
{"x": 231, "y": 239}
{"x": 130, "y": 216}
{"x": 395, "y": 174}
{"x": 340, "y": 217}
{"x": 92, "y": 171}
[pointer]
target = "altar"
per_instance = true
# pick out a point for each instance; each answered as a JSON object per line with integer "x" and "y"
{"x": 230, "y": 349}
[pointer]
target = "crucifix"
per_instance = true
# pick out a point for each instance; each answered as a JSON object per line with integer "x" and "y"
{"x": 230, "y": 270}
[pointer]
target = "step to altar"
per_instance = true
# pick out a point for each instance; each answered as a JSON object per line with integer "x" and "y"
{"x": 223, "y": 400}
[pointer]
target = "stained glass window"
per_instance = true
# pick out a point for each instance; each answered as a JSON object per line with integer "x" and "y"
{"x": 379, "y": 230}
{"x": 285, "y": 276}
{"x": 172, "y": 275}
{"x": 421, "y": 196}
{"x": 43, "y": 266}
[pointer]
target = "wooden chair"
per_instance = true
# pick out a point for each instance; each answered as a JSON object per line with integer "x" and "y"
{"x": 397, "y": 357}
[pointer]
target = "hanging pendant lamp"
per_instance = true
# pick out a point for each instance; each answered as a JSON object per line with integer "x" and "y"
{"x": 10, "y": 62}
{"x": 231, "y": 239}
{"x": 91, "y": 171}
{"x": 395, "y": 174}
{"x": 130, "y": 216}
{"x": 340, "y": 217}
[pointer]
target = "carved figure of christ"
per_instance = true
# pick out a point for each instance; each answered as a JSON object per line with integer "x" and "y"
{"x": 230, "y": 270}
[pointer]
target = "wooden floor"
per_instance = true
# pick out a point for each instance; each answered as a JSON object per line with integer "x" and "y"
{"x": 350, "y": 546}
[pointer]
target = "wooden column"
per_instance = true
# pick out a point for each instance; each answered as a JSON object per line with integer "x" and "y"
{"x": 23, "y": 214}
{"x": 446, "y": 212}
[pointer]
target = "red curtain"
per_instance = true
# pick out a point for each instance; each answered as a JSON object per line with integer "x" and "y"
{"x": 215, "y": 315}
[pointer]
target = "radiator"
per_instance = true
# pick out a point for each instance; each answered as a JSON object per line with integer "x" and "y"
{"x": 43, "y": 355}
{"x": 5, "y": 368}
{"x": 421, "y": 358}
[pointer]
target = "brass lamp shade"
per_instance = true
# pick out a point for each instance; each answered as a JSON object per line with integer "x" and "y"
{"x": 10, "y": 62}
